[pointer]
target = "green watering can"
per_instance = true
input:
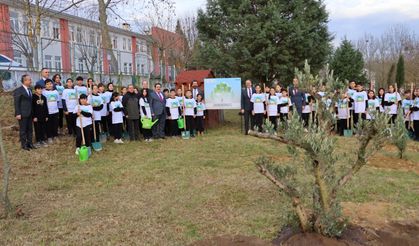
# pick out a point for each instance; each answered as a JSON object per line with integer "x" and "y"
{"x": 83, "y": 153}
{"x": 147, "y": 123}
{"x": 180, "y": 123}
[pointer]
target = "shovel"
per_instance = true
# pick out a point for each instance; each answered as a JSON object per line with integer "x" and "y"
{"x": 347, "y": 132}
{"x": 97, "y": 146}
{"x": 102, "y": 135}
{"x": 84, "y": 151}
{"x": 185, "y": 134}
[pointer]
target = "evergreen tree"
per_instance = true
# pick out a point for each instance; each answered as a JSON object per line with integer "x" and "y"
{"x": 263, "y": 40}
{"x": 348, "y": 63}
{"x": 400, "y": 72}
{"x": 391, "y": 77}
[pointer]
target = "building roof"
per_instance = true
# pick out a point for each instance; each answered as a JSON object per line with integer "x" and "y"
{"x": 198, "y": 75}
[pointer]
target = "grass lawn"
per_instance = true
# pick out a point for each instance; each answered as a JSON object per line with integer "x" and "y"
{"x": 174, "y": 192}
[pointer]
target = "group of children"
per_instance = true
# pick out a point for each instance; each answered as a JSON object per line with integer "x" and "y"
{"x": 355, "y": 103}
{"x": 96, "y": 108}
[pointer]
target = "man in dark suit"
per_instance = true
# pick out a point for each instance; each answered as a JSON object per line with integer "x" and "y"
{"x": 158, "y": 111}
{"x": 196, "y": 90}
{"x": 45, "y": 76}
{"x": 23, "y": 111}
{"x": 246, "y": 106}
{"x": 297, "y": 96}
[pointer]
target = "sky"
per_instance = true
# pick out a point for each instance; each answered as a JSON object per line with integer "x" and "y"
{"x": 349, "y": 18}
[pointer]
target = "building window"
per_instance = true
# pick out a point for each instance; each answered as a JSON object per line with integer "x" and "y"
{"x": 115, "y": 43}
{"x": 92, "y": 38}
{"x": 17, "y": 56}
{"x": 81, "y": 66}
{"x": 79, "y": 35}
{"x": 138, "y": 47}
{"x": 72, "y": 34}
{"x": 125, "y": 68}
{"x": 14, "y": 21}
{"x": 58, "y": 63}
{"x": 48, "y": 61}
{"x": 130, "y": 68}
{"x": 99, "y": 40}
{"x": 124, "y": 44}
{"x": 56, "y": 31}
{"x": 142, "y": 69}
{"x": 129, "y": 45}
{"x": 45, "y": 29}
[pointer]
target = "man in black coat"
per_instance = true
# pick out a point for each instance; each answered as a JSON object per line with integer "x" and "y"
{"x": 23, "y": 111}
{"x": 297, "y": 96}
{"x": 246, "y": 106}
{"x": 158, "y": 111}
{"x": 196, "y": 91}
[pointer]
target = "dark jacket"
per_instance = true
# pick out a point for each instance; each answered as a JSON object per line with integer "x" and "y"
{"x": 41, "y": 82}
{"x": 130, "y": 101}
{"x": 157, "y": 106}
{"x": 39, "y": 107}
{"x": 245, "y": 99}
{"x": 23, "y": 102}
{"x": 298, "y": 99}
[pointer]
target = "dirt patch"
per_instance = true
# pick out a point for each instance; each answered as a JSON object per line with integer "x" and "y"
{"x": 238, "y": 240}
{"x": 390, "y": 162}
{"x": 367, "y": 214}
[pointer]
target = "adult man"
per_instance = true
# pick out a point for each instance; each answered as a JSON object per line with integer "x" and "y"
{"x": 157, "y": 106}
{"x": 45, "y": 76}
{"x": 246, "y": 106}
{"x": 196, "y": 90}
{"x": 145, "y": 86}
{"x": 23, "y": 111}
{"x": 297, "y": 96}
{"x": 130, "y": 101}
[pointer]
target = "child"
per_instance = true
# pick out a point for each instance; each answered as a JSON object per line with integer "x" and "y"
{"x": 284, "y": 105}
{"x": 414, "y": 111}
{"x": 145, "y": 113}
{"x": 273, "y": 109}
{"x": 108, "y": 96}
{"x": 69, "y": 101}
{"x": 173, "y": 111}
{"x": 58, "y": 86}
{"x": 84, "y": 118}
{"x": 391, "y": 102}
{"x": 307, "y": 109}
{"x": 80, "y": 88}
{"x": 190, "y": 112}
{"x": 117, "y": 117}
{"x": 179, "y": 97}
{"x": 97, "y": 105}
{"x": 278, "y": 89}
{"x": 380, "y": 98}
{"x": 360, "y": 99}
{"x": 406, "y": 105}
{"x": 200, "y": 114}
{"x": 342, "y": 110}
{"x": 258, "y": 107}
{"x": 52, "y": 102}
{"x": 373, "y": 105}
{"x": 40, "y": 116}
{"x": 104, "y": 112}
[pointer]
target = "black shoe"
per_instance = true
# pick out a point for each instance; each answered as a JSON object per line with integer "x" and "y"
{"x": 31, "y": 146}
{"x": 26, "y": 148}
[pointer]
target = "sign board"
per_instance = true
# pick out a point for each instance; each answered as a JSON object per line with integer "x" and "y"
{"x": 222, "y": 93}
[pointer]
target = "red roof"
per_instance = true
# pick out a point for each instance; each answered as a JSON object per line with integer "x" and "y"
{"x": 198, "y": 75}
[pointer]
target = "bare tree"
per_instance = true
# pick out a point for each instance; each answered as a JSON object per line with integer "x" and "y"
{"x": 190, "y": 32}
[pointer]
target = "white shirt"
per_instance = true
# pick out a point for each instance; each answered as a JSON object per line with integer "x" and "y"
{"x": 343, "y": 109}
{"x": 70, "y": 97}
{"x": 190, "y": 105}
{"x": 173, "y": 104}
{"x": 200, "y": 107}
{"x": 273, "y": 105}
{"x": 60, "y": 90}
{"x": 415, "y": 114}
{"x": 96, "y": 101}
{"x": 285, "y": 109}
{"x": 392, "y": 97}
{"x": 117, "y": 117}
{"x": 52, "y": 100}
{"x": 373, "y": 104}
{"x": 80, "y": 90}
{"x": 351, "y": 92}
{"x": 258, "y": 103}
{"x": 85, "y": 120}
{"x": 406, "y": 104}
{"x": 307, "y": 108}
{"x": 180, "y": 99}
{"x": 359, "y": 101}
{"x": 147, "y": 108}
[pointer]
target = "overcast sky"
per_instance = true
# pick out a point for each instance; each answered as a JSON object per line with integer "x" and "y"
{"x": 350, "y": 18}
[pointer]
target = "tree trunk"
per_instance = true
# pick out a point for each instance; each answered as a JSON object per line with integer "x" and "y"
{"x": 6, "y": 172}
{"x": 106, "y": 38}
